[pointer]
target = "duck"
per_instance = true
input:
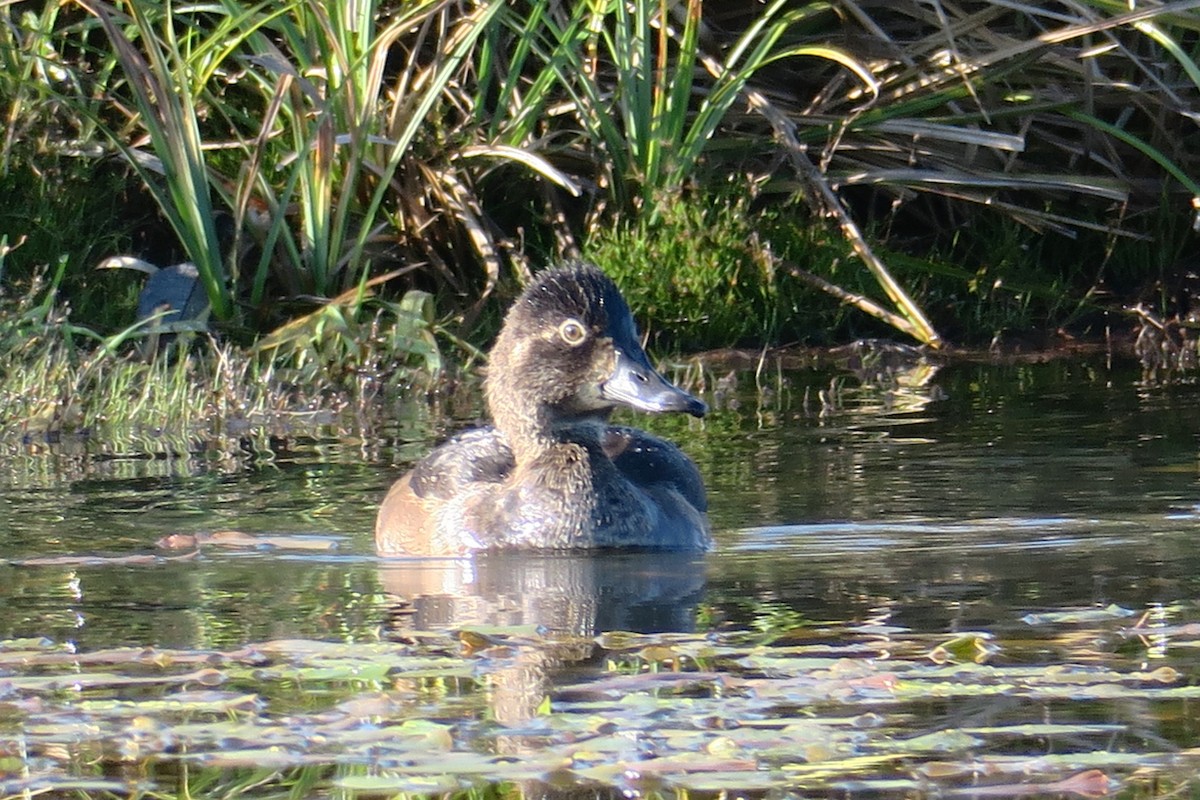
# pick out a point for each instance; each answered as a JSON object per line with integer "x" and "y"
{"x": 552, "y": 472}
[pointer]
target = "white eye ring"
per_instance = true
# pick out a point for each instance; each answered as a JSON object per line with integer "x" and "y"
{"x": 572, "y": 332}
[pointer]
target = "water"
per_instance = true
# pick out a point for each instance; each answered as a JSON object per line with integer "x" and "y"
{"x": 1047, "y": 511}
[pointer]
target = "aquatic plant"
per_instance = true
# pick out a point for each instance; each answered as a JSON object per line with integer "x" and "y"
{"x": 846, "y": 708}
{"x": 649, "y": 95}
{"x": 450, "y": 140}
{"x": 1073, "y": 121}
{"x": 323, "y": 165}
{"x": 42, "y": 90}
{"x": 905, "y": 117}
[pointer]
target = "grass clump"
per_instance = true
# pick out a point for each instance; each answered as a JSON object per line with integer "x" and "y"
{"x": 690, "y": 275}
{"x": 716, "y": 271}
{"x": 700, "y": 276}
{"x": 713, "y": 272}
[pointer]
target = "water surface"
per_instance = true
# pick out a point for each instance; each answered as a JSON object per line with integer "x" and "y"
{"x": 1042, "y": 514}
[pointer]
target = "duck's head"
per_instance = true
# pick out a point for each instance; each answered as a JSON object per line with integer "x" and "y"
{"x": 569, "y": 349}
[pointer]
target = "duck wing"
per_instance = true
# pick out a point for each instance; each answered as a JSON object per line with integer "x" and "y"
{"x": 648, "y": 461}
{"x": 480, "y": 455}
{"x": 409, "y": 522}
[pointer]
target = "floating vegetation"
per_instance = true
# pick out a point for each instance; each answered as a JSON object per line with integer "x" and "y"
{"x": 847, "y": 710}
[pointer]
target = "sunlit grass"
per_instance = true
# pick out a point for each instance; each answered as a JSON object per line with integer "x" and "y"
{"x": 713, "y": 284}
{"x": 59, "y": 378}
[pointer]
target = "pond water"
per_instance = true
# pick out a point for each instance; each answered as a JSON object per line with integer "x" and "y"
{"x": 978, "y": 579}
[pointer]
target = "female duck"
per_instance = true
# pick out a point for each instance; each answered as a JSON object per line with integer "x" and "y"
{"x": 553, "y": 473}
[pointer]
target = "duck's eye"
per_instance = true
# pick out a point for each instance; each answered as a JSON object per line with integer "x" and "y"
{"x": 572, "y": 332}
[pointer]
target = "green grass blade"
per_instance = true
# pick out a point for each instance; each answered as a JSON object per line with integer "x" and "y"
{"x": 1144, "y": 147}
{"x": 169, "y": 114}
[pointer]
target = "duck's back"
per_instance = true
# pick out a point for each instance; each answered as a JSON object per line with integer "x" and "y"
{"x": 468, "y": 495}
{"x": 414, "y": 516}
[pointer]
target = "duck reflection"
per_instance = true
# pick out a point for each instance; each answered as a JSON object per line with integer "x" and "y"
{"x": 564, "y": 593}
{"x": 571, "y": 596}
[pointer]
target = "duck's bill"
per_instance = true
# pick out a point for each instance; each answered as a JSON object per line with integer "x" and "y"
{"x": 636, "y": 384}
